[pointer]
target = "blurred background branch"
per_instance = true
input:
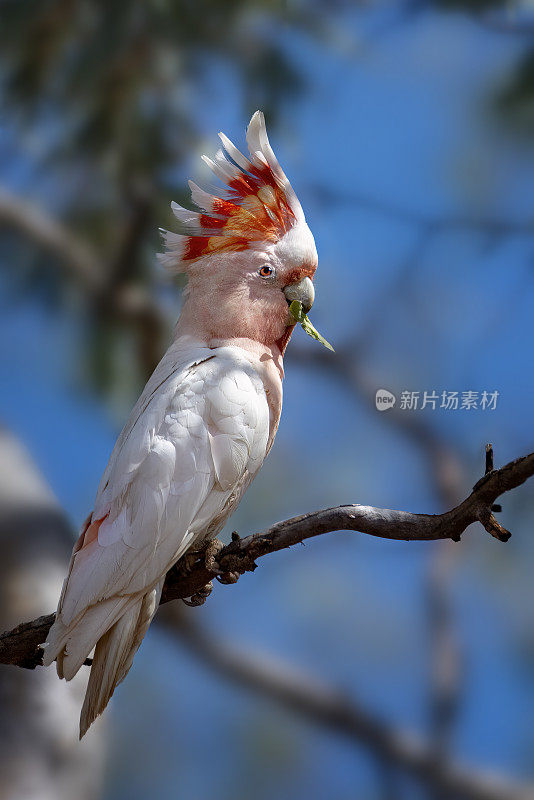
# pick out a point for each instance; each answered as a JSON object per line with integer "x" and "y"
{"x": 335, "y": 710}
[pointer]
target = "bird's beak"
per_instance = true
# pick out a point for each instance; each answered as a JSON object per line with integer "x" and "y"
{"x": 302, "y": 291}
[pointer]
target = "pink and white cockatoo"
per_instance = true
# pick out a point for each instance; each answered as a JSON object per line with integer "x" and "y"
{"x": 206, "y": 419}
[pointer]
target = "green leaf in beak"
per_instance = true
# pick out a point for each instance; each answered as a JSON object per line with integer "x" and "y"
{"x": 298, "y": 315}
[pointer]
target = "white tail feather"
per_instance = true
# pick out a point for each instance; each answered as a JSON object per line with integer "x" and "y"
{"x": 114, "y": 655}
{"x": 71, "y": 644}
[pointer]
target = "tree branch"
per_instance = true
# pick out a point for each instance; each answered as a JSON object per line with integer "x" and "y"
{"x": 21, "y": 645}
{"x": 50, "y": 234}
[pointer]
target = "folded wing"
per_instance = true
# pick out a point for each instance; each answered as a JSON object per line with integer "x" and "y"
{"x": 194, "y": 441}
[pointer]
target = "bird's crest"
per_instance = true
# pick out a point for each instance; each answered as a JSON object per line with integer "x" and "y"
{"x": 259, "y": 204}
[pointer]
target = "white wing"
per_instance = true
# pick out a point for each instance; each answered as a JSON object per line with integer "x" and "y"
{"x": 194, "y": 440}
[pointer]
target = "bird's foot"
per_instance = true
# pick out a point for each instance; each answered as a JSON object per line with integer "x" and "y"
{"x": 228, "y": 577}
{"x": 187, "y": 562}
{"x": 200, "y": 597}
{"x": 213, "y": 548}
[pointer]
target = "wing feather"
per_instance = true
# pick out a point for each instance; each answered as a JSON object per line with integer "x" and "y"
{"x": 196, "y": 437}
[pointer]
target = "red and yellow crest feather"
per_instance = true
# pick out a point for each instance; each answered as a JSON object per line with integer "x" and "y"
{"x": 259, "y": 204}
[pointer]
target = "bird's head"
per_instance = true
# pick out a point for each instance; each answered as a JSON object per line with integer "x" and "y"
{"x": 247, "y": 255}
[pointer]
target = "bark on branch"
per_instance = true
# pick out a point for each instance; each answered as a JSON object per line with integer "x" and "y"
{"x": 21, "y": 646}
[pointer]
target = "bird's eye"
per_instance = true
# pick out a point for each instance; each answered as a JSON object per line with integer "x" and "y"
{"x": 266, "y": 271}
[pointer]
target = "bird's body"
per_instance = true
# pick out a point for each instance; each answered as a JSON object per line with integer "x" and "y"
{"x": 199, "y": 432}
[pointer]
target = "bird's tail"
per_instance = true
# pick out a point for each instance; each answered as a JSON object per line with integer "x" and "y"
{"x": 114, "y": 655}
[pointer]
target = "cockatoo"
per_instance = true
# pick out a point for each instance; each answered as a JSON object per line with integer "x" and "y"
{"x": 206, "y": 419}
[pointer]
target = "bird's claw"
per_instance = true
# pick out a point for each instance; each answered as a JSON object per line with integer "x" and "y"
{"x": 228, "y": 577}
{"x": 210, "y": 560}
{"x": 200, "y": 597}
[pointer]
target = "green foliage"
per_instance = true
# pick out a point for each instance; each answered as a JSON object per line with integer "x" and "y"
{"x": 298, "y": 314}
{"x": 113, "y": 92}
{"x": 120, "y": 74}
